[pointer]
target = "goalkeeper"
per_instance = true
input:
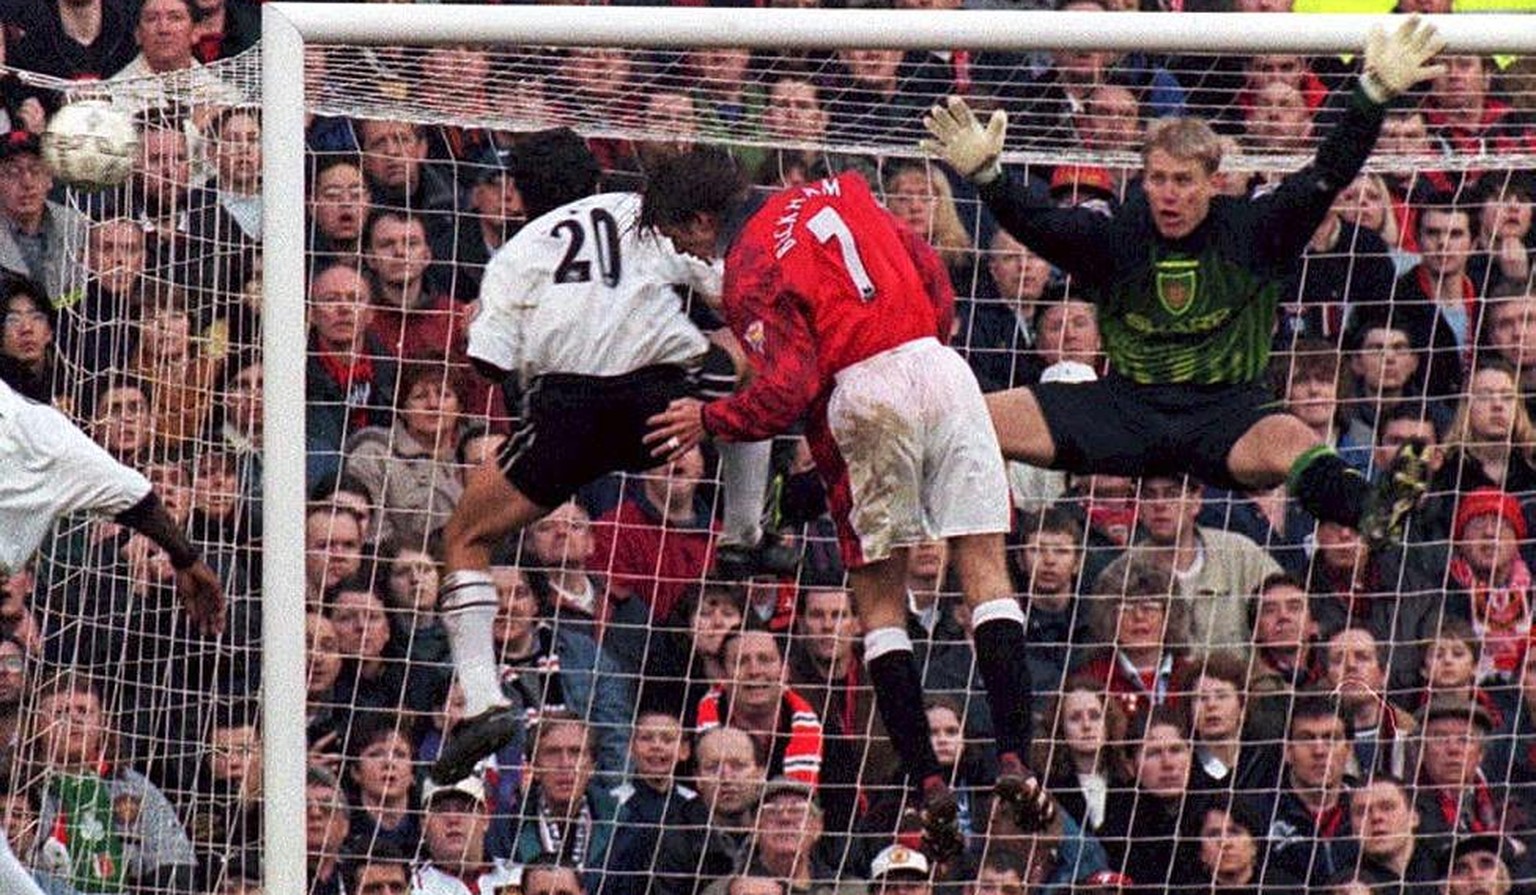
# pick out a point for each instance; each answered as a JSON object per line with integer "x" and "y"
{"x": 1187, "y": 283}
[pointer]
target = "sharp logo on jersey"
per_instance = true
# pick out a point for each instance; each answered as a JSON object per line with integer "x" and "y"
{"x": 1177, "y": 282}
{"x": 755, "y": 337}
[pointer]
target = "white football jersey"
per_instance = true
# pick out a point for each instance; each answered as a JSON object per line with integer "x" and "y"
{"x": 502, "y": 877}
{"x": 582, "y": 290}
{"x": 48, "y": 467}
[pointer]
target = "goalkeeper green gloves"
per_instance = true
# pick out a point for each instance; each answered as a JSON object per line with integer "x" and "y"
{"x": 1395, "y": 62}
{"x": 961, "y": 141}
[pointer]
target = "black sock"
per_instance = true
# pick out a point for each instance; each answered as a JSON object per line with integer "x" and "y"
{"x": 899, "y": 697}
{"x": 1000, "y": 657}
{"x": 1329, "y": 488}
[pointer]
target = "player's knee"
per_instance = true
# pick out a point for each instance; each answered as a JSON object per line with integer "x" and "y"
{"x": 982, "y": 565}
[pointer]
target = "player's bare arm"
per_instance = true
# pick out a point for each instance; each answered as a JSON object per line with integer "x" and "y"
{"x": 199, "y": 586}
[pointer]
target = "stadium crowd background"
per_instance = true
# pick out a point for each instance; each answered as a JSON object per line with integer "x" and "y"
{"x": 1229, "y": 696}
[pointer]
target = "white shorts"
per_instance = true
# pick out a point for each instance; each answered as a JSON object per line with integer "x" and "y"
{"x": 48, "y": 467}
{"x": 910, "y": 453}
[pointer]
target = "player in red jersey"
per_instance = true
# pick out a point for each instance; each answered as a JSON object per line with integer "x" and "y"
{"x": 843, "y": 312}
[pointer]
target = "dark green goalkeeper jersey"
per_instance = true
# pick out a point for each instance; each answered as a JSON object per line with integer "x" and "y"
{"x": 1200, "y": 309}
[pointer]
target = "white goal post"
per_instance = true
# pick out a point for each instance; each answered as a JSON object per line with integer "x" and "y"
{"x": 289, "y": 26}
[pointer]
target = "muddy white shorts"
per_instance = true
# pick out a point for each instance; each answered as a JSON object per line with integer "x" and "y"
{"x": 908, "y": 453}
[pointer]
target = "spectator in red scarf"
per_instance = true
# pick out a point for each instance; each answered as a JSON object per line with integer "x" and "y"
{"x": 350, "y": 381}
{"x": 1143, "y": 630}
{"x": 1357, "y": 670}
{"x": 1510, "y": 753}
{"x": 1387, "y": 593}
{"x": 1494, "y": 579}
{"x": 752, "y": 696}
{"x": 1455, "y": 797}
{"x": 1465, "y": 117}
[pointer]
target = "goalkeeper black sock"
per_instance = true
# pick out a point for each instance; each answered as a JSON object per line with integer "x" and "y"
{"x": 998, "y": 635}
{"x": 1327, "y": 487}
{"x": 899, "y": 697}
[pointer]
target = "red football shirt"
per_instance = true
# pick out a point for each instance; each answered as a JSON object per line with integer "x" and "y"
{"x": 820, "y": 278}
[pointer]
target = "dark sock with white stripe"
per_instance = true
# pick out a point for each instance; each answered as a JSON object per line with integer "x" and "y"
{"x": 998, "y": 633}
{"x": 467, "y": 604}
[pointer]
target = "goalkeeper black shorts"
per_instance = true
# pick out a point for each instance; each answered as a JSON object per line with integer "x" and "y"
{"x": 1114, "y": 426}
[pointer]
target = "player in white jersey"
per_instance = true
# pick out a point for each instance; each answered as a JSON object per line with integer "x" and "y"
{"x": 581, "y": 291}
{"x": 583, "y": 308}
{"x": 48, "y": 467}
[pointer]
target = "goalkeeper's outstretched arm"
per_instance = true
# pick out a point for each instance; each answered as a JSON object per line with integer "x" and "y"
{"x": 1393, "y": 64}
{"x": 1075, "y": 240}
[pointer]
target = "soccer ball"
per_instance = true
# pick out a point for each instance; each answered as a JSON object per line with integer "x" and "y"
{"x": 91, "y": 145}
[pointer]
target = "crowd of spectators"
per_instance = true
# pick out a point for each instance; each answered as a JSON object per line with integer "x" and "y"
{"x": 1229, "y": 696}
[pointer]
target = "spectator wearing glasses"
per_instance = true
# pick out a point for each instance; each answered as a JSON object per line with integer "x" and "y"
{"x": 35, "y": 231}
{"x": 28, "y": 323}
{"x": 339, "y": 206}
{"x": 1455, "y": 796}
{"x": 1141, "y": 628}
{"x": 788, "y": 843}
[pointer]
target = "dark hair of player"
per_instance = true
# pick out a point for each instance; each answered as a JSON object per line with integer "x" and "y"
{"x": 703, "y": 180}
{"x": 551, "y": 168}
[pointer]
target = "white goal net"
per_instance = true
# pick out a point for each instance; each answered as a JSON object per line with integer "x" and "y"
{"x": 131, "y": 745}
